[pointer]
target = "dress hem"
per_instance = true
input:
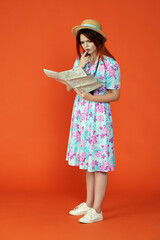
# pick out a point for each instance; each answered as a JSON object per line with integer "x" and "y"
{"x": 112, "y": 170}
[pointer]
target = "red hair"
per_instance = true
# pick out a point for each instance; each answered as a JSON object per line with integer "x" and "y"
{"x": 97, "y": 39}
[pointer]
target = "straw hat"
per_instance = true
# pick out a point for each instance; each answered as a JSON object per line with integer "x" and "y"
{"x": 89, "y": 24}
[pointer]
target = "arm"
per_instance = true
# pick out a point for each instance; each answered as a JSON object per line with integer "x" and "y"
{"x": 114, "y": 95}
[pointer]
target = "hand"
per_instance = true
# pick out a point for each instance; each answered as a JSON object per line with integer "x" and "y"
{"x": 69, "y": 87}
{"x": 84, "y": 59}
{"x": 84, "y": 95}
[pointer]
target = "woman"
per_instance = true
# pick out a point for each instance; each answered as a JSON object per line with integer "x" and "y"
{"x": 91, "y": 143}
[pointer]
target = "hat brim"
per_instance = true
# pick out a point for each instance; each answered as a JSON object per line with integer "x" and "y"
{"x": 77, "y": 28}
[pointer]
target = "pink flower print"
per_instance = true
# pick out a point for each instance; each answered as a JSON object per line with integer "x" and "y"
{"x": 101, "y": 108}
{"x": 95, "y": 138}
{"x": 111, "y": 71}
{"x": 87, "y": 164}
{"x": 96, "y": 93}
{"x": 111, "y": 166}
{"x": 111, "y": 140}
{"x": 92, "y": 140}
{"x": 116, "y": 65}
{"x": 79, "y": 101}
{"x": 90, "y": 154}
{"x": 103, "y": 129}
{"x": 77, "y": 125}
{"x": 83, "y": 103}
{"x": 92, "y": 146}
{"x": 83, "y": 116}
{"x": 89, "y": 105}
{"x": 82, "y": 129}
{"x": 94, "y": 163}
{"x": 89, "y": 130}
{"x": 103, "y": 156}
{"x": 91, "y": 114}
{"x": 72, "y": 124}
{"x": 110, "y": 113}
{"x": 89, "y": 140}
{"x": 116, "y": 86}
{"x": 95, "y": 119}
{"x": 109, "y": 133}
{"x": 78, "y": 157}
{"x": 98, "y": 153}
{"x": 101, "y": 68}
{"x": 78, "y": 136}
{"x": 77, "y": 114}
{"x": 102, "y": 89}
{"x": 96, "y": 109}
{"x": 105, "y": 148}
{"x": 108, "y": 153}
{"x": 101, "y": 77}
{"x": 83, "y": 143}
{"x": 101, "y": 118}
{"x": 67, "y": 154}
{"x": 104, "y": 166}
{"x": 72, "y": 153}
{"x": 82, "y": 157}
{"x": 107, "y": 64}
{"x": 73, "y": 117}
{"x": 102, "y": 135}
{"x": 85, "y": 110}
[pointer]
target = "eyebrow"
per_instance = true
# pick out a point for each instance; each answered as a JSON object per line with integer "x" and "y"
{"x": 86, "y": 41}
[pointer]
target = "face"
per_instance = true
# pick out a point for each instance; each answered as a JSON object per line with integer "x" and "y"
{"x": 87, "y": 44}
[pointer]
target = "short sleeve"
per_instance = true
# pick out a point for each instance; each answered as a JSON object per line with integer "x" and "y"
{"x": 76, "y": 63}
{"x": 113, "y": 75}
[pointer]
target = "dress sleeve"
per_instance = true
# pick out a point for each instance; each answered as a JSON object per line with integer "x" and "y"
{"x": 76, "y": 63}
{"x": 113, "y": 75}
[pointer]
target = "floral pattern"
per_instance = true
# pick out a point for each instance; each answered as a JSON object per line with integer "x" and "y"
{"x": 91, "y": 141}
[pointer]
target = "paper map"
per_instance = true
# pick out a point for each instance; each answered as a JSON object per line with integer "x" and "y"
{"x": 77, "y": 77}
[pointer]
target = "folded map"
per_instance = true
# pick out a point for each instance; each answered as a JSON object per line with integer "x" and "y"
{"x": 77, "y": 77}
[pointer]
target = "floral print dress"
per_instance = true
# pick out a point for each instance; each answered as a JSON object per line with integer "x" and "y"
{"x": 91, "y": 141}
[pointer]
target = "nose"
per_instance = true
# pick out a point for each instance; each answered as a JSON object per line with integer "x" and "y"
{"x": 85, "y": 44}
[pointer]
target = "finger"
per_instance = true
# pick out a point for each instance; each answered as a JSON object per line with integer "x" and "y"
{"x": 81, "y": 91}
{"x": 85, "y": 53}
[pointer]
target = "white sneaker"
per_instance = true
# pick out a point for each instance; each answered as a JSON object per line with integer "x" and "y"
{"x": 81, "y": 209}
{"x": 91, "y": 216}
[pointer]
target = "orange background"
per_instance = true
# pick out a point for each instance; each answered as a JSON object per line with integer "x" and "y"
{"x": 36, "y": 110}
{"x": 37, "y": 186}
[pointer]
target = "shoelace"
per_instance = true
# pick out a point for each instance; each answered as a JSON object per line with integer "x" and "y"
{"x": 90, "y": 213}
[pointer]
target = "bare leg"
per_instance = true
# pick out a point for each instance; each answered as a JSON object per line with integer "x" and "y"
{"x": 101, "y": 180}
{"x": 90, "y": 176}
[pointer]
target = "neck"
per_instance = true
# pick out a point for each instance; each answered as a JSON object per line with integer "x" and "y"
{"x": 93, "y": 57}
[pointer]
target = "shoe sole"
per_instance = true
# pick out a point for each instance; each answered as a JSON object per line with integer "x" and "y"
{"x": 91, "y": 221}
{"x": 77, "y": 214}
